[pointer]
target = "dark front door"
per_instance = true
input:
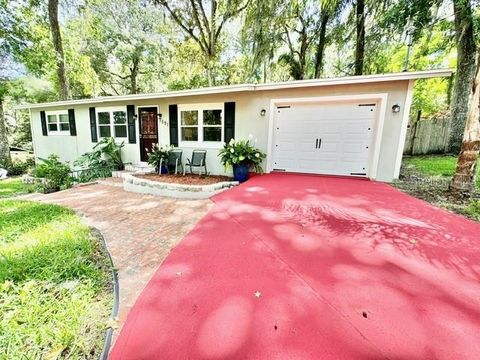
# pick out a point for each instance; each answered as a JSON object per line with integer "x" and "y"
{"x": 148, "y": 130}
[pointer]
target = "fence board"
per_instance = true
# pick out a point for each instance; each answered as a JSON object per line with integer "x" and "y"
{"x": 429, "y": 136}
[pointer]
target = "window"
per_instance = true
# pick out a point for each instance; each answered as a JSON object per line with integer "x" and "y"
{"x": 212, "y": 125}
{"x": 112, "y": 123}
{"x": 189, "y": 125}
{"x": 201, "y": 123}
{"x": 57, "y": 123}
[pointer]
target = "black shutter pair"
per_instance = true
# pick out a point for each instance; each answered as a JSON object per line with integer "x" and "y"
{"x": 229, "y": 115}
{"x": 71, "y": 121}
{"x": 130, "y": 124}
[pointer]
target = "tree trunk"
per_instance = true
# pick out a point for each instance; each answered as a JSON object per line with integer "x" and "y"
{"x": 464, "y": 178}
{"x": 360, "y": 44}
{"x": 57, "y": 45}
{"x": 134, "y": 76}
{"x": 465, "y": 71}
{"x": 4, "y": 147}
{"x": 321, "y": 45}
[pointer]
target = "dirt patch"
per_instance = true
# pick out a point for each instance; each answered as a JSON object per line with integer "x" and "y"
{"x": 188, "y": 179}
{"x": 435, "y": 190}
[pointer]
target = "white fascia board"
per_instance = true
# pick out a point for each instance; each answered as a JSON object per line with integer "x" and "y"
{"x": 252, "y": 87}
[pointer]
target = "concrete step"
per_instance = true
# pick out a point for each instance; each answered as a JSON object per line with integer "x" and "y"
{"x": 139, "y": 168}
{"x": 121, "y": 174}
{"x": 112, "y": 181}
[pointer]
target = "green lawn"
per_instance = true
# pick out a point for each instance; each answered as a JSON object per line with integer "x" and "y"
{"x": 55, "y": 295}
{"x": 436, "y": 165}
{"x": 14, "y": 186}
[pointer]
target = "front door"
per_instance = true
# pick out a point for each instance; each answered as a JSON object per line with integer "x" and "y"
{"x": 148, "y": 130}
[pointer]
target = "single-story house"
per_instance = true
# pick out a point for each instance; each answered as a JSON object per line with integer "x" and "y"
{"x": 353, "y": 126}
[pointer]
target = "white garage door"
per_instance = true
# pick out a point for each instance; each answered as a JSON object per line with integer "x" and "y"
{"x": 323, "y": 138}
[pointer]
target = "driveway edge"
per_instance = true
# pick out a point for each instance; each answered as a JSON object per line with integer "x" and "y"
{"x": 109, "y": 332}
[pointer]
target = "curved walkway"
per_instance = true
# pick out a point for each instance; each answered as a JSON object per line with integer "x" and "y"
{"x": 139, "y": 230}
{"x": 305, "y": 267}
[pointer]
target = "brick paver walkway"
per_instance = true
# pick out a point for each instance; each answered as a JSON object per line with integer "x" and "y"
{"x": 140, "y": 230}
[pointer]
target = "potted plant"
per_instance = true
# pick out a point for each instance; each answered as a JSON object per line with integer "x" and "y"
{"x": 158, "y": 157}
{"x": 242, "y": 157}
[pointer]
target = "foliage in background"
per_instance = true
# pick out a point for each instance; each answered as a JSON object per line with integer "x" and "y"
{"x": 241, "y": 153}
{"x": 55, "y": 296}
{"x": 18, "y": 167}
{"x": 105, "y": 157}
{"x": 53, "y": 175}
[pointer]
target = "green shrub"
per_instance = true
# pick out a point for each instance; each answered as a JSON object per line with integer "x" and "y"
{"x": 241, "y": 153}
{"x": 473, "y": 209}
{"x": 17, "y": 167}
{"x": 105, "y": 157}
{"x": 54, "y": 174}
{"x": 157, "y": 155}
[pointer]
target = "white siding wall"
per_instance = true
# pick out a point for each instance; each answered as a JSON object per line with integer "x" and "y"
{"x": 247, "y": 121}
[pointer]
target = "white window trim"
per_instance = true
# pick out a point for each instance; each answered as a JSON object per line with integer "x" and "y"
{"x": 200, "y": 108}
{"x": 110, "y": 110}
{"x": 59, "y": 132}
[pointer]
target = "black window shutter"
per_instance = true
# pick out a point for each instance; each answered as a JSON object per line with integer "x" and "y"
{"x": 71, "y": 121}
{"x": 229, "y": 121}
{"x": 131, "y": 124}
{"x": 43, "y": 120}
{"x": 93, "y": 124}
{"x": 173, "y": 123}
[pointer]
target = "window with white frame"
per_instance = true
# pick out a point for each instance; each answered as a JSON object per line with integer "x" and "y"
{"x": 112, "y": 122}
{"x": 201, "y": 123}
{"x": 57, "y": 122}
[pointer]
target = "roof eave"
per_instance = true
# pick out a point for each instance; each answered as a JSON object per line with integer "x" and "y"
{"x": 251, "y": 87}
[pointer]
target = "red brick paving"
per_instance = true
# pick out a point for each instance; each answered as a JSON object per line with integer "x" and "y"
{"x": 140, "y": 230}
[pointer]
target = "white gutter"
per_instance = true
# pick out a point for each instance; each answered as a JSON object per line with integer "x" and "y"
{"x": 252, "y": 87}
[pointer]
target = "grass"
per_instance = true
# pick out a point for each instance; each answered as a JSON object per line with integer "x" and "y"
{"x": 14, "y": 186}
{"x": 436, "y": 165}
{"x": 55, "y": 296}
{"x": 428, "y": 178}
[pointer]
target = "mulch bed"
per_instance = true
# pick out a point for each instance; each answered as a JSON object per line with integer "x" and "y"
{"x": 188, "y": 179}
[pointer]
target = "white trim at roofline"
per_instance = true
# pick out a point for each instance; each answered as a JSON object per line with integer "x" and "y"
{"x": 252, "y": 87}
{"x": 374, "y": 157}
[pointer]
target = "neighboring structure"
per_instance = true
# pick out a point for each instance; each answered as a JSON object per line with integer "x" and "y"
{"x": 352, "y": 126}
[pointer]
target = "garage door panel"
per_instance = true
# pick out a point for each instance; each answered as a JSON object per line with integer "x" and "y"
{"x": 343, "y": 130}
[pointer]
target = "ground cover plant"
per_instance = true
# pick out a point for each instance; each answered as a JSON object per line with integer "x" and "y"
{"x": 14, "y": 186}
{"x": 55, "y": 295}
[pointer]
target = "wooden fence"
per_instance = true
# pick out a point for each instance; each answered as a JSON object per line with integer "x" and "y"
{"x": 429, "y": 136}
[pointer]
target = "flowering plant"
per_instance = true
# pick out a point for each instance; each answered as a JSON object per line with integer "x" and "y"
{"x": 241, "y": 153}
{"x": 158, "y": 154}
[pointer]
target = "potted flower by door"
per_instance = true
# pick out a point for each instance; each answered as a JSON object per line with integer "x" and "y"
{"x": 158, "y": 157}
{"x": 242, "y": 157}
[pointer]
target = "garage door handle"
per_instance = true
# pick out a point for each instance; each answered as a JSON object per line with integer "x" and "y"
{"x": 316, "y": 144}
{"x": 319, "y": 143}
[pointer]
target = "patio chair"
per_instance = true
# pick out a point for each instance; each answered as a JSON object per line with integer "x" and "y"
{"x": 198, "y": 160}
{"x": 174, "y": 162}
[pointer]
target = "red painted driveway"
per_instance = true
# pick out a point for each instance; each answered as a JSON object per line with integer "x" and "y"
{"x": 308, "y": 267}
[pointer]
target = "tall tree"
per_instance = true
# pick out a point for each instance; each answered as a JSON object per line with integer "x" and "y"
{"x": 300, "y": 29}
{"x": 125, "y": 43}
{"x": 466, "y": 50}
{"x": 204, "y": 21}
{"x": 58, "y": 46}
{"x": 360, "y": 36}
{"x": 464, "y": 178}
{"x": 4, "y": 146}
{"x": 329, "y": 9}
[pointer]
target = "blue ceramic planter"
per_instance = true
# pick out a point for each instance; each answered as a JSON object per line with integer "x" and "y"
{"x": 240, "y": 173}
